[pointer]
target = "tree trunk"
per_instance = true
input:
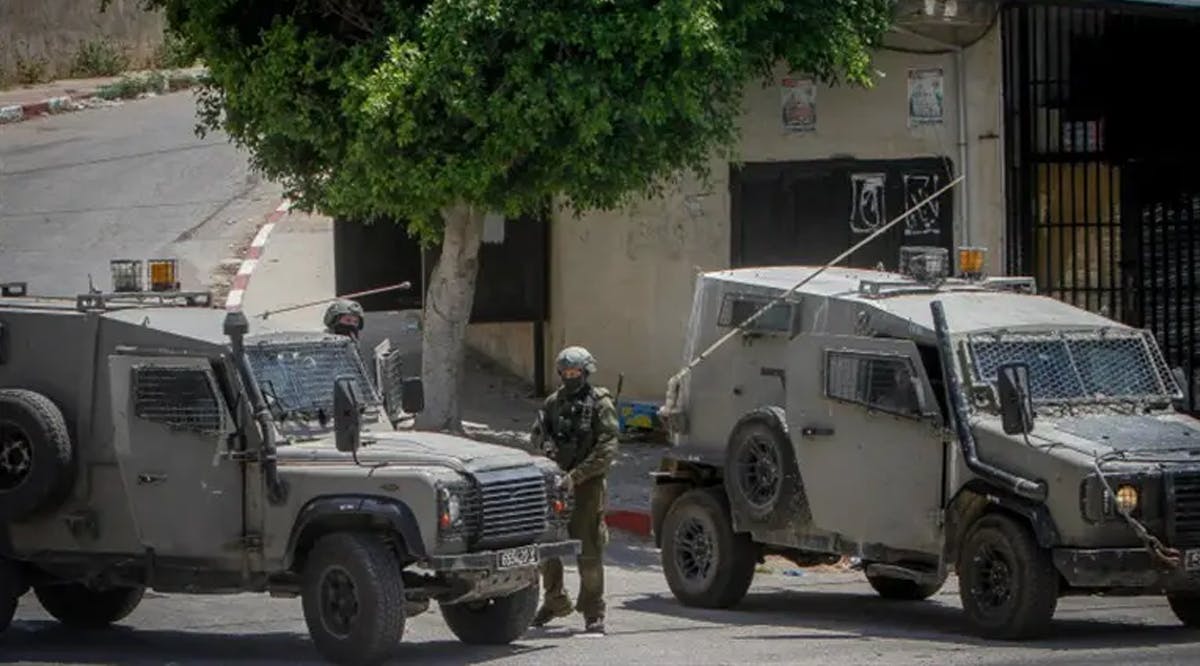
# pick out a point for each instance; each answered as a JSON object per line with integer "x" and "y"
{"x": 447, "y": 311}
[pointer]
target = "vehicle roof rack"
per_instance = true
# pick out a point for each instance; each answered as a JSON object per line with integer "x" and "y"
{"x": 882, "y": 288}
{"x": 99, "y": 301}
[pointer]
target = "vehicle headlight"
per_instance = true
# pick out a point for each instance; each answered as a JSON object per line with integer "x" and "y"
{"x": 1126, "y": 499}
{"x": 450, "y": 506}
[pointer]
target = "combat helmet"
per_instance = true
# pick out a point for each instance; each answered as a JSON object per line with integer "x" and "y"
{"x": 575, "y": 357}
{"x": 344, "y": 317}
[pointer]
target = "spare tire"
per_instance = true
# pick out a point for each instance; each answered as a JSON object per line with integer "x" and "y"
{"x": 762, "y": 479}
{"x": 36, "y": 456}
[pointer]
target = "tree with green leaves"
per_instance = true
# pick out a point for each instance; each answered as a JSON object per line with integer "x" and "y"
{"x": 438, "y": 112}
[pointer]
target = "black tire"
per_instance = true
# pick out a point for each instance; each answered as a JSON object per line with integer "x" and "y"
{"x": 80, "y": 607}
{"x": 353, "y": 597}
{"x": 900, "y": 589}
{"x": 1007, "y": 582}
{"x": 498, "y": 621}
{"x": 1186, "y": 608}
{"x": 36, "y": 457}
{"x": 11, "y": 589}
{"x": 706, "y": 564}
{"x": 762, "y": 479}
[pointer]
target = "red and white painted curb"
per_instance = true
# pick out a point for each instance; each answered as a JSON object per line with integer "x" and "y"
{"x": 18, "y": 112}
{"x": 636, "y": 522}
{"x": 237, "y": 291}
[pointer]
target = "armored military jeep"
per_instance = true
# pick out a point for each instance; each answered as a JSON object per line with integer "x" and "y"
{"x": 927, "y": 423}
{"x": 148, "y": 441}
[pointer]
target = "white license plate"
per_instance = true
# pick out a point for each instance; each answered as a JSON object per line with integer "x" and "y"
{"x": 518, "y": 557}
{"x": 1191, "y": 560}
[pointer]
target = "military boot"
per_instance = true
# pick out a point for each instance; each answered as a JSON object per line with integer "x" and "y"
{"x": 547, "y": 613}
{"x": 594, "y": 625}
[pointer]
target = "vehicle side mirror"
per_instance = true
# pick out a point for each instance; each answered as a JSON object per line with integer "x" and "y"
{"x": 1184, "y": 385}
{"x": 347, "y": 420}
{"x": 412, "y": 396}
{"x": 1016, "y": 401}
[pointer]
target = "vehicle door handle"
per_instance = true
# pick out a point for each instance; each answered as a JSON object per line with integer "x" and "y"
{"x": 816, "y": 431}
{"x": 147, "y": 479}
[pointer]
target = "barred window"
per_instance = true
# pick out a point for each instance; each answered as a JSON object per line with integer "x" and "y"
{"x": 879, "y": 382}
{"x": 737, "y": 308}
{"x": 181, "y": 398}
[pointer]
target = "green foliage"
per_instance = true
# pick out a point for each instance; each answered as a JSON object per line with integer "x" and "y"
{"x": 176, "y": 52}
{"x": 99, "y": 57}
{"x": 31, "y": 70}
{"x": 397, "y": 109}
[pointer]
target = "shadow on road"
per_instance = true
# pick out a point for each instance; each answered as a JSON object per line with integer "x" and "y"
{"x": 862, "y": 615}
{"x": 48, "y": 642}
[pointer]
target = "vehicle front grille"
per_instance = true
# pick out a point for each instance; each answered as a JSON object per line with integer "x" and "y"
{"x": 511, "y": 507}
{"x": 1184, "y": 518}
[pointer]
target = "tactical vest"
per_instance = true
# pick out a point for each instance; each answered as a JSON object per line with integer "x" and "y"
{"x": 571, "y": 422}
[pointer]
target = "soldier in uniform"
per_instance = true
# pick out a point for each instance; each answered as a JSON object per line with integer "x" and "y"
{"x": 344, "y": 317}
{"x": 577, "y": 428}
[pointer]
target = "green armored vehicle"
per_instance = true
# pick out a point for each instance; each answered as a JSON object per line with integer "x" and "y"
{"x": 927, "y": 423}
{"x": 148, "y": 441}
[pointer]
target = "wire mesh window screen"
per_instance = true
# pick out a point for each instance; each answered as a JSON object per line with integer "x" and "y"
{"x": 737, "y": 308}
{"x": 391, "y": 382}
{"x": 884, "y": 383}
{"x": 300, "y": 375}
{"x": 1079, "y": 367}
{"x": 177, "y": 397}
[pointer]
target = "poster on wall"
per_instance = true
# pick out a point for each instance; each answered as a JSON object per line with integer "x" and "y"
{"x": 926, "y": 96}
{"x": 799, "y": 104}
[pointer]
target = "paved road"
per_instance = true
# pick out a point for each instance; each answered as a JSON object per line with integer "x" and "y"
{"x": 813, "y": 619}
{"x": 131, "y": 181}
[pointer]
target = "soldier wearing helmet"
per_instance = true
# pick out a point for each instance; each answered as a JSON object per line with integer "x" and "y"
{"x": 577, "y": 428}
{"x": 344, "y": 317}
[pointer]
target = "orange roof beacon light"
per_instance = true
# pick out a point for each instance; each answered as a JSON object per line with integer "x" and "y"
{"x": 163, "y": 275}
{"x": 126, "y": 275}
{"x": 970, "y": 262}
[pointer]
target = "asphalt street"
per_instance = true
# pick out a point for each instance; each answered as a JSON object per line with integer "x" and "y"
{"x": 130, "y": 181}
{"x": 816, "y": 618}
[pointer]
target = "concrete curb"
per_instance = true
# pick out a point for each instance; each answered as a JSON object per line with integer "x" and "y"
{"x": 18, "y": 112}
{"x": 15, "y": 113}
{"x": 237, "y": 290}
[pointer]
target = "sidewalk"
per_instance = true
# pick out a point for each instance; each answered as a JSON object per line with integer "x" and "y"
{"x": 26, "y": 102}
{"x": 296, "y": 266}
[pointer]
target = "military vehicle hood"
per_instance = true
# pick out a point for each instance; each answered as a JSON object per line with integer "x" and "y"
{"x": 409, "y": 448}
{"x": 1161, "y": 436}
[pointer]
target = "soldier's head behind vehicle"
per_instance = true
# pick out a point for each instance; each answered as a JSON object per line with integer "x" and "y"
{"x": 344, "y": 317}
{"x": 574, "y": 365}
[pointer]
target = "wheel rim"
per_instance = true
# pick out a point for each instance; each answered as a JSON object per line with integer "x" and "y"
{"x": 16, "y": 455}
{"x": 992, "y": 580}
{"x": 339, "y": 602}
{"x": 695, "y": 551}
{"x": 759, "y": 472}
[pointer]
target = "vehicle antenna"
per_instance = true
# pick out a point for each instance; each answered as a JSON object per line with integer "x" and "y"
{"x": 402, "y": 286}
{"x": 673, "y": 383}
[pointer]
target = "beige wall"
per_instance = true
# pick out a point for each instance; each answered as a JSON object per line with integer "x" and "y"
{"x": 52, "y": 30}
{"x": 621, "y": 282}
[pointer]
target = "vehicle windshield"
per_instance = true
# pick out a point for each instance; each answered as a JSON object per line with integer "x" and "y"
{"x": 297, "y": 378}
{"x": 1079, "y": 367}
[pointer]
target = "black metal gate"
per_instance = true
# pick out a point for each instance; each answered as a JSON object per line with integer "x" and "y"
{"x": 1102, "y": 179}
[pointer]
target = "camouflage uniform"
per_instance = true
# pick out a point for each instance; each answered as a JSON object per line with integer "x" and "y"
{"x": 578, "y": 429}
